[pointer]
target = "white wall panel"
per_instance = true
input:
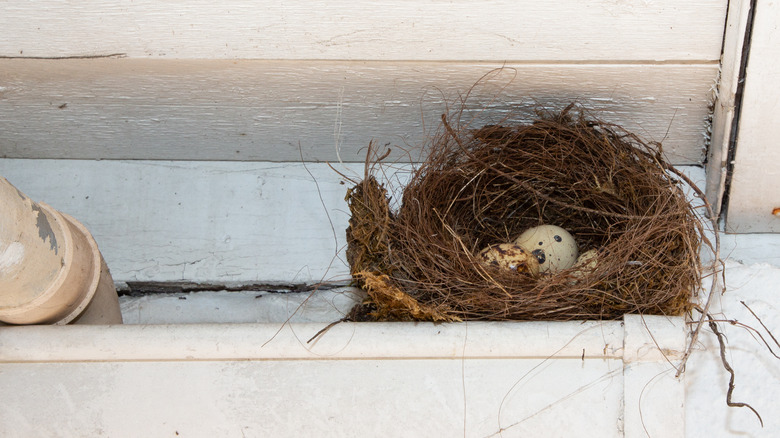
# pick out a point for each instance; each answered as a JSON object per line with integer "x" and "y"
{"x": 276, "y": 111}
{"x": 366, "y": 30}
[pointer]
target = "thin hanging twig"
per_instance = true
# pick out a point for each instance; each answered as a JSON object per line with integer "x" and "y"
{"x": 727, "y": 366}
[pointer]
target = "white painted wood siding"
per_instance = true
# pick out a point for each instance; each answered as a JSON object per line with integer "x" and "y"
{"x": 227, "y": 96}
{"x": 201, "y": 221}
{"x": 755, "y": 184}
{"x": 278, "y": 110}
{"x": 603, "y": 30}
{"x": 198, "y": 80}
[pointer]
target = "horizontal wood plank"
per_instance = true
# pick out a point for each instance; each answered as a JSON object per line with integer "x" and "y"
{"x": 206, "y": 222}
{"x": 370, "y": 30}
{"x": 320, "y": 110}
{"x": 200, "y": 221}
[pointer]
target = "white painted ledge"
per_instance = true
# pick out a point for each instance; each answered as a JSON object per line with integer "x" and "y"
{"x": 346, "y": 341}
{"x": 591, "y": 379}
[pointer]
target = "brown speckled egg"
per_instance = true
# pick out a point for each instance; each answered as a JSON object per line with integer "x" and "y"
{"x": 509, "y": 256}
{"x": 586, "y": 263}
{"x": 553, "y": 246}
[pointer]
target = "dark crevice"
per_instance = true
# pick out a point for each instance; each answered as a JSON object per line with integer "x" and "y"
{"x": 138, "y": 288}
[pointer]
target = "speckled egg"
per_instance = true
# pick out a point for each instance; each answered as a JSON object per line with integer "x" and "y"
{"x": 554, "y": 247}
{"x": 586, "y": 263}
{"x": 509, "y": 256}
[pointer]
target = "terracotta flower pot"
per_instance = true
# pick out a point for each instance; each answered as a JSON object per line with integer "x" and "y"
{"x": 51, "y": 271}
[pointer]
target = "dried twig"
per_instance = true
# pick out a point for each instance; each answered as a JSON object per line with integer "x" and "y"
{"x": 328, "y": 327}
{"x": 727, "y": 367}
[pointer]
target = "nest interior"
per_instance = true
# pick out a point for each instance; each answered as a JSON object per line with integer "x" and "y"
{"x": 612, "y": 191}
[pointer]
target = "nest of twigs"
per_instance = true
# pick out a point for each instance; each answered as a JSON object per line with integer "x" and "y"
{"x": 612, "y": 191}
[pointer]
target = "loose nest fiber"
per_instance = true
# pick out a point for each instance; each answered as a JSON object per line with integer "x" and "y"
{"x": 613, "y": 192}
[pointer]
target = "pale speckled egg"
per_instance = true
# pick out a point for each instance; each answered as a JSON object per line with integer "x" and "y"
{"x": 554, "y": 247}
{"x": 586, "y": 263}
{"x": 509, "y": 256}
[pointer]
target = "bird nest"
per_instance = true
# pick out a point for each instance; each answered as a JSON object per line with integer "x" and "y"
{"x": 614, "y": 193}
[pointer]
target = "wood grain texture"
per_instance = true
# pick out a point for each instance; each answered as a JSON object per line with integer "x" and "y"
{"x": 755, "y": 183}
{"x": 278, "y": 110}
{"x": 367, "y": 30}
{"x": 725, "y": 102}
{"x": 208, "y": 222}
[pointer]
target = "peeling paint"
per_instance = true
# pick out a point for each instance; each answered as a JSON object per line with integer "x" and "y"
{"x": 44, "y": 228}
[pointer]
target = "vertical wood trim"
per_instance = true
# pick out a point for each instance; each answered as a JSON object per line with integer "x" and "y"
{"x": 725, "y": 105}
{"x": 752, "y": 195}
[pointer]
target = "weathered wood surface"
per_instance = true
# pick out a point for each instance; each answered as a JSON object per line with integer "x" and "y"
{"x": 725, "y": 105}
{"x": 320, "y": 110}
{"x": 754, "y": 199}
{"x": 659, "y": 30}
